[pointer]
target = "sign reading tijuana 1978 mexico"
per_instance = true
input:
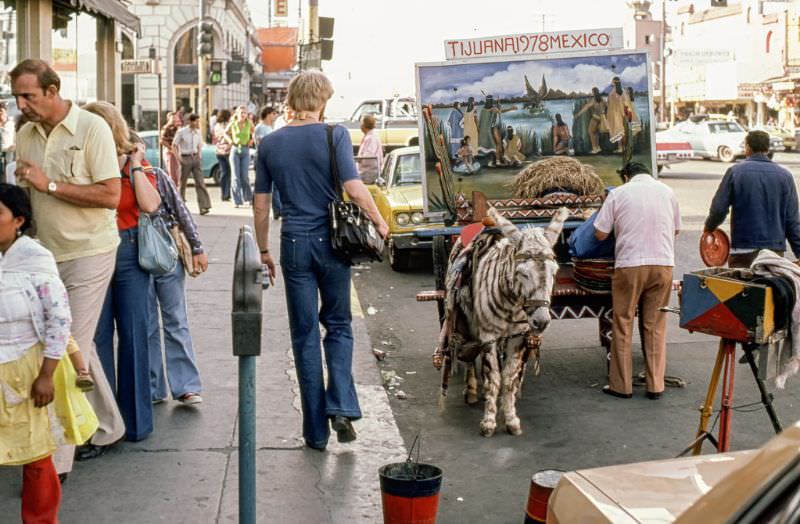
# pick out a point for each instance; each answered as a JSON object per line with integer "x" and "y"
{"x": 485, "y": 120}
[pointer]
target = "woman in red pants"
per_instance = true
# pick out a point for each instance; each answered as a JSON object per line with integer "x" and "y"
{"x": 34, "y": 372}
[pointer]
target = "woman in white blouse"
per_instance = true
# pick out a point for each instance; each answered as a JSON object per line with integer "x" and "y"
{"x": 34, "y": 334}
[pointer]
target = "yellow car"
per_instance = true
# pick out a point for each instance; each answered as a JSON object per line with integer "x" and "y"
{"x": 398, "y": 195}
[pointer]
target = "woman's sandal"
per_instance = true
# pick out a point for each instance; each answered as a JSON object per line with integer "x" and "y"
{"x": 84, "y": 381}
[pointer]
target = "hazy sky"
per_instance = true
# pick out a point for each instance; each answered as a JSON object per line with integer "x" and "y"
{"x": 377, "y": 42}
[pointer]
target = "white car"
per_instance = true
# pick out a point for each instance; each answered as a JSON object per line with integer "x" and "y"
{"x": 713, "y": 139}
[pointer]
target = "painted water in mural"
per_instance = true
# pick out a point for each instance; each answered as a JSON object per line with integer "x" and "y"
{"x": 491, "y": 118}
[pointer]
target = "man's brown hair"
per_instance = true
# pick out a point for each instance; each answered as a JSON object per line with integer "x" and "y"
{"x": 40, "y": 69}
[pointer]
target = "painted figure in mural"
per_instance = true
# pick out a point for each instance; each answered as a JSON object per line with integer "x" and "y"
{"x": 456, "y": 123}
{"x": 464, "y": 155}
{"x": 512, "y": 148}
{"x": 617, "y": 103}
{"x": 598, "y": 124}
{"x": 561, "y": 136}
{"x": 471, "y": 125}
{"x": 490, "y": 128}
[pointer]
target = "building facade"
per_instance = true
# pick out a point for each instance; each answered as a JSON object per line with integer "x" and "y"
{"x": 725, "y": 58}
{"x": 170, "y": 29}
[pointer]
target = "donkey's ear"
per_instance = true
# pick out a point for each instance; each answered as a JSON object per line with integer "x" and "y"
{"x": 556, "y": 225}
{"x": 503, "y": 224}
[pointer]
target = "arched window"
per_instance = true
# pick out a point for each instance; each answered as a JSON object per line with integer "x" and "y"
{"x": 769, "y": 40}
{"x": 127, "y": 47}
{"x": 186, "y": 48}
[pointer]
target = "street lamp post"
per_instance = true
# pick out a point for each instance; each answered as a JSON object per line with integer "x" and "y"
{"x": 663, "y": 105}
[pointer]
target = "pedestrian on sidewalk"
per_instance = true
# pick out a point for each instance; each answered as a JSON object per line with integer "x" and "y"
{"x": 240, "y": 130}
{"x": 126, "y": 309}
{"x": 189, "y": 145}
{"x": 370, "y": 152}
{"x": 644, "y": 216}
{"x": 168, "y": 150}
{"x": 297, "y": 159}
{"x": 168, "y": 294}
{"x": 223, "y": 142}
{"x": 762, "y": 198}
{"x": 35, "y": 325}
{"x": 268, "y": 115}
{"x": 66, "y": 157}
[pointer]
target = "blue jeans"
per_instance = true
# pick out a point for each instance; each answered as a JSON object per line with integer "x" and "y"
{"x": 127, "y": 306}
{"x": 224, "y": 176}
{"x": 310, "y": 268}
{"x": 169, "y": 293}
{"x": 240, "y": 183}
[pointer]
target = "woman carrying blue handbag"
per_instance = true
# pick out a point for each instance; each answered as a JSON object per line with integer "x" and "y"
{"x": 126, "y": 306}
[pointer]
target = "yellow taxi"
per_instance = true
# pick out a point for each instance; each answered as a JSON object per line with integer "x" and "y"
{"x": 398, "y": 195}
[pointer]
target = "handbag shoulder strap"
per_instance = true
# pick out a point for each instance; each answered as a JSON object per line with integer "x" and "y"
{"x": 334, "y": 167}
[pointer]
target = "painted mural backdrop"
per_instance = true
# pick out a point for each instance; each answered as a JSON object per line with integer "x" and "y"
{"x": 491, "y": 118}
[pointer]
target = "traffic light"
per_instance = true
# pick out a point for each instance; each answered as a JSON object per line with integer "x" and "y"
{"x": 205, "y": 39}
{"x": 215, "y": 72}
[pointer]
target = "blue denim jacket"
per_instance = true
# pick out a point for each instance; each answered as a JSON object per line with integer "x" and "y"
{"x": 763, "y": 201}
{"x": 174, "y": 211}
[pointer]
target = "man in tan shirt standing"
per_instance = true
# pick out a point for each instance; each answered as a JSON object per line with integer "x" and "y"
{"x": 67, "y": 159}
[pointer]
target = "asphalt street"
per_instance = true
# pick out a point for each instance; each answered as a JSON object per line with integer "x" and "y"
{"x": 567, "y": 423}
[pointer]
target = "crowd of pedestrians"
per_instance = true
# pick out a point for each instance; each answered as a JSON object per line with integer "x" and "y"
{"x": 85, "y": 331}
{"x": 80, "y": 342}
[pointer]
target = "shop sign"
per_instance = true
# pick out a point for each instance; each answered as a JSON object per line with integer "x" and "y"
{"x": 137, "y": 66}
{"x": 701, "y": 56}
{"x": 748, "y": 90}
{"x": 783, "y": 86}
{"x": 527, "y": 44}
{"x": 281, "y": 8}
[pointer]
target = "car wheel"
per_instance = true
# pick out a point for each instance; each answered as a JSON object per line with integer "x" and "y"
{"x": 215, "y": 174}
{"x": 398, "y": 258}
{"x": 725, "y": 154}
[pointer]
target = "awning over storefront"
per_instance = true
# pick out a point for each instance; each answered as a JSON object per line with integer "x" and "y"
{"x": 113, "y": 9}
{"x": 784, "y": 83}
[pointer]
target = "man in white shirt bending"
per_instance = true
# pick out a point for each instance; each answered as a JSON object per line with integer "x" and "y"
{"x": 644, "y": 216}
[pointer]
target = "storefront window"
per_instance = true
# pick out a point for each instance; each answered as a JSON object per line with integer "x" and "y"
{"x": 8, "y": 47}
{"x": 75, "y": 57}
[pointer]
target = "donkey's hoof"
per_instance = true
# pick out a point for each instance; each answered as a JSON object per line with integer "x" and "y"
{"x": 487, "y": 428}
{"x": 514, "y": 428}
{"x": 471, "y": 398}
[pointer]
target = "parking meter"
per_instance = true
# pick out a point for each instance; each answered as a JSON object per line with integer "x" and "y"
{"x": 248, "y": 274}
{"x": 248, "y": 285}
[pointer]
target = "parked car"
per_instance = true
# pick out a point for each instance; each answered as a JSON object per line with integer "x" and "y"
{"x": 780, "y": 139}
{"x": 742, "y": 486}
{"x": 210, "y": 164}
{"x": 712, "y": 139}
{"x": 398, "y": 195}
{"x": 396, "y": 122}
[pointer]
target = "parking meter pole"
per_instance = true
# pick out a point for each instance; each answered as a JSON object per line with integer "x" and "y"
{"x": 247, "y": 439}
{"x": 246, "y": 330}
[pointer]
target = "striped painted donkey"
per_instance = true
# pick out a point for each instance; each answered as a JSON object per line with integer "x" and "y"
{"x": 510, "y": 297}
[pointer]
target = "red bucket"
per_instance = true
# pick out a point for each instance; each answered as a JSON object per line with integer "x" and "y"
{"x": 542, "y": 485}
{"x": 410, "y": 492}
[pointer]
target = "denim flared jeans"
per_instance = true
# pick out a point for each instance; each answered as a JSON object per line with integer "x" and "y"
{"x": 127, "y": 308}
{"x": 312, "y": 272}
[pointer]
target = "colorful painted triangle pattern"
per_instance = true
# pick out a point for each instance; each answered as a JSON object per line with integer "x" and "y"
{"x": 723, "y": 307}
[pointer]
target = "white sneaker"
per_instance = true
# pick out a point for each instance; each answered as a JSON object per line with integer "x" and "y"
{"x": 190, "y": 399}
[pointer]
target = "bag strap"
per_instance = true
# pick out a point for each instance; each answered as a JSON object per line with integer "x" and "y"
{"x": 334, "y": 167}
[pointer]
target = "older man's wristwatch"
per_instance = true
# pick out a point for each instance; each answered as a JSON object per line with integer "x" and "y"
{"x": 51, "y": 188}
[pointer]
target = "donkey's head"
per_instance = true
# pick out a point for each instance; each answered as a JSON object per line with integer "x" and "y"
{"x": 535, "y": 265}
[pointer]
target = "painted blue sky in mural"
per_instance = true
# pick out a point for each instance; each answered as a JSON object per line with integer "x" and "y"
{"x": 444, "y": 84}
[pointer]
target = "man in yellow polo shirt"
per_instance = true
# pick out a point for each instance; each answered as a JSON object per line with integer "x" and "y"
{"x": 67, "y": 159}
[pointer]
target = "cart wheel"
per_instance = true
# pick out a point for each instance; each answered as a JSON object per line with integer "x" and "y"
{"x": 440, "y": 268}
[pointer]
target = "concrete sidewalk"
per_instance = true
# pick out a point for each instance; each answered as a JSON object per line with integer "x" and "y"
{"x": 187, "y": 470}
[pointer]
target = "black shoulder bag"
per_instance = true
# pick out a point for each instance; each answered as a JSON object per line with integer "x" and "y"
{"x": 353, "y": 235}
